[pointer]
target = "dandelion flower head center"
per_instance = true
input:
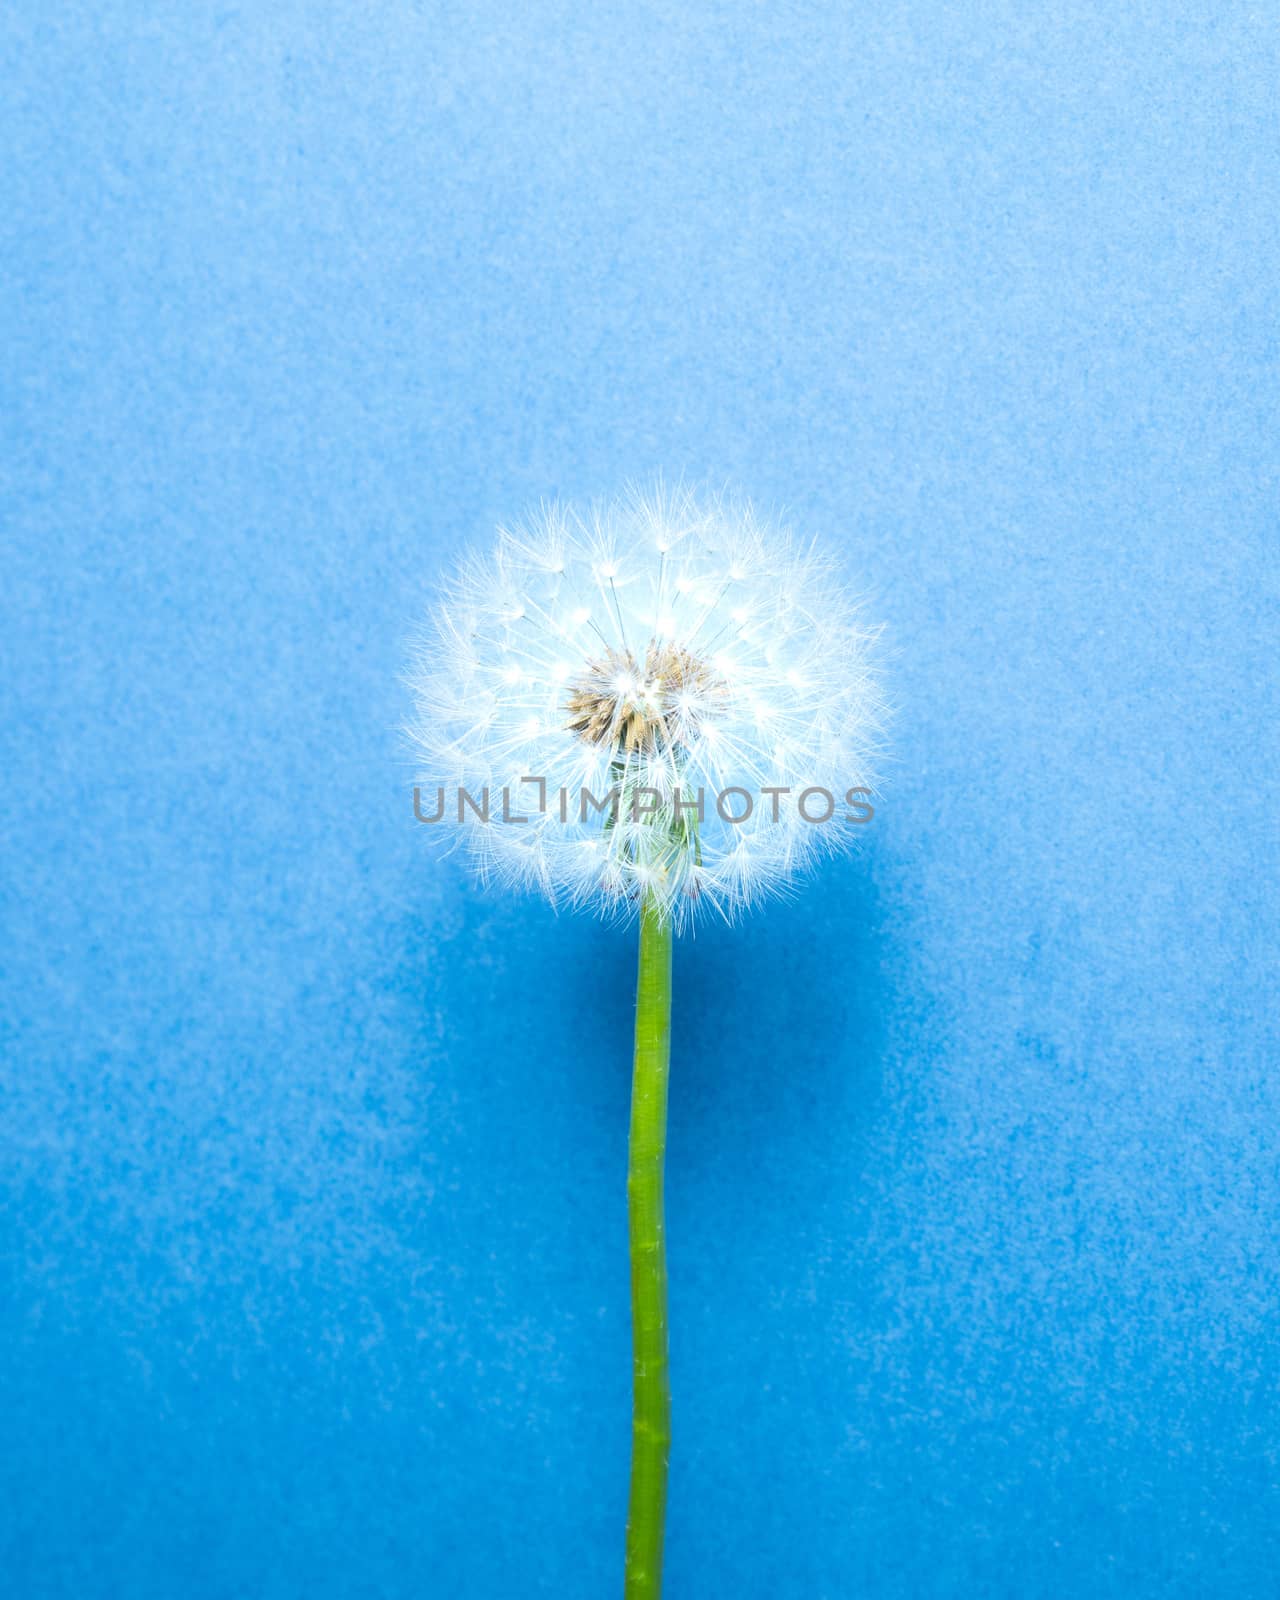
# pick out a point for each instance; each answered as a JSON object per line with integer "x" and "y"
{"x": 617, "y": 703}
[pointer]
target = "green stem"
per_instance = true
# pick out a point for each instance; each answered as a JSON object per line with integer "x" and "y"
{"x": 651, "y": 1414}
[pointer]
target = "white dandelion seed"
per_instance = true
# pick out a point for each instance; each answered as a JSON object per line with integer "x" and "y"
{"x": 662, "y": 647}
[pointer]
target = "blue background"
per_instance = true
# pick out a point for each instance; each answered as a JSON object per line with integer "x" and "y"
{"x": 313, "y": 1234}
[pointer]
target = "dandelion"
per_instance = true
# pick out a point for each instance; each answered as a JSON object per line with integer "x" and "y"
{"x": 660, "y": 709}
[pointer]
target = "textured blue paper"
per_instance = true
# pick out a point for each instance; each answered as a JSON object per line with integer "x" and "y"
{"x": 312, "y": 1155}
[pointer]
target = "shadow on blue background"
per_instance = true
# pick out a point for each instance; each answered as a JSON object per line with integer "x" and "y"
{"x": 312, "y": 1154}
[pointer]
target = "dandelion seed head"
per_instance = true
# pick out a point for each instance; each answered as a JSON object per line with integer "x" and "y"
{"x": 661, "y": 645}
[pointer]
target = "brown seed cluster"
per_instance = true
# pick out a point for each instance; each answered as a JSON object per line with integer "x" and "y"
{"x": 614, "y": 703}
